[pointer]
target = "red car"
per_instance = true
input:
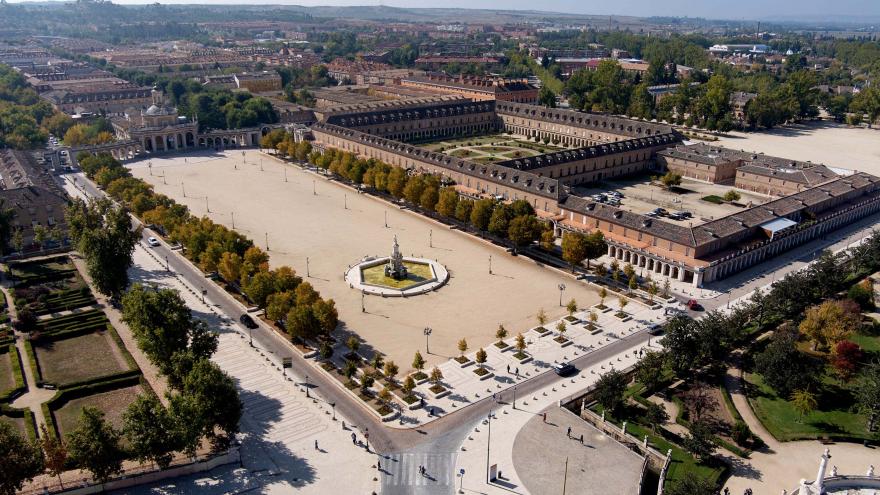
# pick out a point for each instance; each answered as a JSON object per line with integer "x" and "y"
{"x": 693, "y": 305}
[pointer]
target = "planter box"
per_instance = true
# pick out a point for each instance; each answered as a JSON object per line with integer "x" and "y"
{"x": 420, "y": 379}
{"x": 485, "y": 376}
{"x": 541, "y": 331}
{"x": 571, "y": 319}
{"x": 502, "y": 346}
{"x": 464, "y": 364}
{"x": 524, "y": 360}
{"x": 415, "y": 405}
{"x": 440, "y": 393}
{"x": 602, "y": 310}
{"x": 564, "y": 343}
{"x": 390, "y": 416}
{"x": 596, "y": 331}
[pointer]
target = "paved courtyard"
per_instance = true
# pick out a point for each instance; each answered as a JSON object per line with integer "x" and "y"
{"x": 308, "y": 216}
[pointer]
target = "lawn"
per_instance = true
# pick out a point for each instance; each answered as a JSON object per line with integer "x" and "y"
{"x": 113, "y": 403}
{"x": 682, "y": 461}
{"x": 416, "y": 274}
{"x": 7, "y": 380}
{"x": 96, "y": 355}
{"x": 17, "y": 423}
{"x": 42, "y": 271}
{"x": 834, "y": 418}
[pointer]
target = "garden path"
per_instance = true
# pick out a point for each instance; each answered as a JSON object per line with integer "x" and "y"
{"x": 781, "y": 465}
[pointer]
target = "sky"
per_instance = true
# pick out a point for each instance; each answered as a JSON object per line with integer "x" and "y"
{"x": 713, "y": 9}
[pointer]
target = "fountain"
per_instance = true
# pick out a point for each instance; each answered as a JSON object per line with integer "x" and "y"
{"x": 396, "y": 275}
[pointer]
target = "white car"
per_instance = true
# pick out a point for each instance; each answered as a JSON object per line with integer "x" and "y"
{"x": 152, "y": 241}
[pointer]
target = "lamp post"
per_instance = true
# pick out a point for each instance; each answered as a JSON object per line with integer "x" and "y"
{"x": 183, "y": 189}
{"x": 307, "y": 387}
{"x": 430, "y": 237}
{"x": 427, "y": 332}
{"x": 490, "y": 264}
{"x": 314, "y": 189}
{"x": 307, "y": 267}
{"x": 207, "y": 205}
{"x": 333, "y": 405}
{"x": 285, "y": 174}
{"x": 488, "y": 443}
{"x": 363, "y": 308}
{"x": 267, "y": 241}
{"x": 150, "y": 164}
{"x": 514, "y": 396}
{"x": 386, "y": 219}
{"x": 233, "y": 219}
{"x": 345, "y": 201}
{"x": 561, "y": 290}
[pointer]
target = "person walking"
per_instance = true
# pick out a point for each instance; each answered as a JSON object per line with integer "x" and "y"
{"x": 545, "y": 417}
{"x": 354, "y": 438}
{"x": 568, "y": 433}
{"x": 517, "y": 371}
{"x": 582, "y": 438}
{"x": 508, "y": 369}
{"x": 316, "y": 445}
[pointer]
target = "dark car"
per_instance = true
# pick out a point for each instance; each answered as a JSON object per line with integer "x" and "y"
{"x": 693, "y": 305}
{"x": 247, "y": 321}
{"x": 564, "y": 368}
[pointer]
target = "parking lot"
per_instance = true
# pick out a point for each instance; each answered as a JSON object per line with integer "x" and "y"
{"x": 639, "y": 196}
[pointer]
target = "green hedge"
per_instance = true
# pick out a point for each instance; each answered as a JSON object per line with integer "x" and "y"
{"x": 30, "y": 423}
{"x": 32, "y": 360}
{"x": 86, "y": 388}
{"x": 713, "y": 199}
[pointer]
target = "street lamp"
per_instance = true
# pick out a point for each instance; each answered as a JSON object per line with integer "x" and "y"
{"x": 233, "y": 219}
{"x": 427, "y": 332}
{"x": 207, "y": 205}
{"x": 267, "y": 241}
{"x": 333, "y": 405}
{"x": 307, "y": 267}
{"x": 490, "y": 264}
{"x": 488, "y": 443}
{"x": 561, "y": 290}
{"x": 307, "y": 387}
{"x": 514, "y": 396}
{"x": 430, "y": 237}
{"x": 183, "y": 189}
{"x": 363, "y": 308}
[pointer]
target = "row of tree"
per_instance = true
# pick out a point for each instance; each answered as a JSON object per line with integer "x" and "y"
{"x": 515, "y": 221}
{"x": 294, "y": 304}
{"x": 24, "y": 116}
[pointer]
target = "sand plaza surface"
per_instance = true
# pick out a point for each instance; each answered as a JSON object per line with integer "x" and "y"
{"x": 334, "y": 227}
{"x": 835, "y": 145}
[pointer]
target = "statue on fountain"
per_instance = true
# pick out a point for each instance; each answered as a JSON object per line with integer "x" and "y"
{"x": 395, "y": 267}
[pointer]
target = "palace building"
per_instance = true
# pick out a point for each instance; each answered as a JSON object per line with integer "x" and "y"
{"x": 813, "y": 199}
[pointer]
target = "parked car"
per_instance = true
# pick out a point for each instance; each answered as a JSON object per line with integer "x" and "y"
{"x": 676, "y": 216}
{"x": 686, "y": 214}
{"x": 153, "y": 242}
{"x": 248, "y": 322}
{"x": 693, "y": 305}
{"x": 655, "y": 329}
{"x": 660, "y": 211}
{"x": 651, "y": 214}
{"x": 564, "y": 368}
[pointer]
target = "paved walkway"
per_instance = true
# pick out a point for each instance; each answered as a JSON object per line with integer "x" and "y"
{"x": 519, "y": 464}
{"x": 781, "y": 465}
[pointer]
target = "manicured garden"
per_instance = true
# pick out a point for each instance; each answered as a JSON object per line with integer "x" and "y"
{"x": 113, "y": 403}
{"x": 80, "y": 358}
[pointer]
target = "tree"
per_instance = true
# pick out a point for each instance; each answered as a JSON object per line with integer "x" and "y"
{"x": 863, "y": 294}
{"x": 574, "y": 248}
{"x": 868, "y": 391}
{"x": 610, "y": 390}
{"x": 367, "y": 382}
{"x": 216, "y": 400}
{"x": 390, "y": 371}
{"x": 278, "y": 305}
{"x": 448, "y": 202}
{"x": 230, "y": 267}
{"x": 629, "y": 271}
{"x": 349, "y": 369}
{"x": 55, "y": 453}
{"x": 633, "y": 284}
{"x": 377, "y": 362}
{"x": 163, "y": 326}
{"x": 847, "y": 356}
{"x": 95, "y": 445}
{"x": 571, "y": 307}
{"x": 408, "y": 385}
{"x": 546, "y": 97}
{"x": 828, "y": 324}
{"x": 652, "y": 291}
{"x": 104, "y": 235}
{"x": 327, "y": 315}
{"x": 436, "y": 376}
{"x": 325, "y": 350}
{"x": 804, "y": 402}
{"x": 655, "y": 415}
{"x": 600, "y": 270}
{"x": 615, "y": 270}
{"x": 500, "y": 219}
{"x": 384, "y": 396}
{"x": 301, "y": 323}
{"x": 547, "y": 239}
{"x": 603, "y": 293}
{"x": 700, "y": 442}
{"x": 20, "y": 460}
{"x": 622, "y": 302}
{"x": 150, "y": 431}
{"x": 698, "y": 399}
{"x": 731, "y": 196}
{"x": 462, "y": 346}
{"x": 501, "y": 333}
{"x": 40, "y": 236}
{"x": 418, "y": 361}
{"x": 481, "y": 357}
{"x": 520, "y": 342}
{"x": 649, "y": 370}
{"x": 523, "y": 230}
{"x": 594, "y": 317}
{"x": 670, "y": 180}
{"x": 259, "y": 287}
{"x": 561, "y": 328}
{"x": 541, "y": 316}
{"x": 783, "y": 367}
{"x": 482, "y": 213}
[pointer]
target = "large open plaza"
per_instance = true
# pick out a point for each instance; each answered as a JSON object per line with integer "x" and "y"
{"x": 307, "y": 216}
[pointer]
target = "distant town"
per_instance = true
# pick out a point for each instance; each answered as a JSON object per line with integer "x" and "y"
{"x": 331, "y": 249}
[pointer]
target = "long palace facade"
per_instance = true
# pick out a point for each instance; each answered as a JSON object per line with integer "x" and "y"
{"x": 604, "y": 147}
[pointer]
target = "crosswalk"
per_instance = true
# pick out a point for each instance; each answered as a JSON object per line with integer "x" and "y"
{"x": 400, "y": 473}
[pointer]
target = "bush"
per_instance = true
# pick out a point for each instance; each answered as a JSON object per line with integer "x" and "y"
{"x": 713, "y": 199}
{"x": 740, "y": 433}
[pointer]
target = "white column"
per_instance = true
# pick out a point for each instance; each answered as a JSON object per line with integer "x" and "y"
{"x": 681, "y": 272}
{"x": 698, "y": 279}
